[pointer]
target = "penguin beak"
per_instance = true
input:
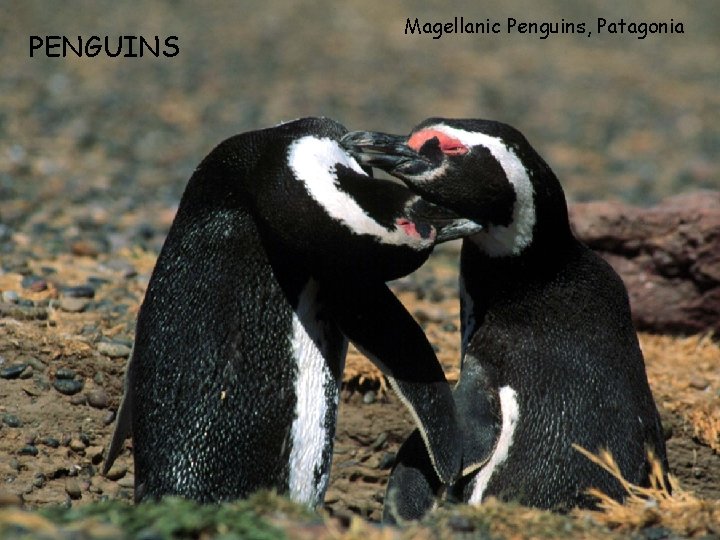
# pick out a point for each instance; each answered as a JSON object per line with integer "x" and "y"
{"x": 381, "y": 150}
{"x": 448, "y": 224}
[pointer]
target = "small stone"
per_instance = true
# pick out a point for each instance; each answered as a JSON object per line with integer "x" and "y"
{"x": 116, "y": 472}
{"x": 11, "y": 420}
{"x": 52, "y": 442}
{"x": 30, "y": 438}
{"x": 369, "y": 397}
{"x": 38, "y": 365}
{"x": 98, "y": 398}
{"x": 72, "y": 488}
{"x": 430, "y": 314}
{"x": 39, "y": 480}
{"x": 12, "y": 371}
{"x": 81, "y": 291}
{"x": 78, "y": 399}
{"x": 95, "y": 453}
{"x": 114, "y": 350}
{"x": 386, "y": 461}
{"x": 65, "y": 373}
{"x": 34, "y": 283}
{"x": 28, "y": 450}
{"x": 11, "y": 297}
{"x": 73, "y": 305}
{"x": 698, "y": 383}
{"x": 68, "y": 387}
{"x": 380, "y": 441}
{"x": 460, "y": 524}
{"x": 109, "y": 418}
{"x": 450, "y": 327}
{"x": 76, "y": 445}
{"x": 27, "y": 373}
{"x": 127, "y": 481}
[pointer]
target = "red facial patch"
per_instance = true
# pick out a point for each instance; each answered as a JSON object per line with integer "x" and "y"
{"x": 408, "y": 226}
{"x": 449, "y": 145}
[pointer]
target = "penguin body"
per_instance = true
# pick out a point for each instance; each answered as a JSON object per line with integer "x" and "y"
{"x": 277, "y": 255}
{"x": 550, "y": 357}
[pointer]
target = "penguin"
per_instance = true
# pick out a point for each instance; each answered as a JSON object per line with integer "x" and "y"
{"x": 549, "y": 354}
{"x": 278, "y": 255}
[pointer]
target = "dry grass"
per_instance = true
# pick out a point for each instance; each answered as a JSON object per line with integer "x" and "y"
{"x": 684, "y": 374}
{"x": 663, "y": 503}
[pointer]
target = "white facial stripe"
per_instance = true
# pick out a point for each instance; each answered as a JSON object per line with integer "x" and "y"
{"x": 498, "y": 240}
{"x": 313, "y": 161}
{"x": 309, "y": 434}
{"x": 510, "y": 414}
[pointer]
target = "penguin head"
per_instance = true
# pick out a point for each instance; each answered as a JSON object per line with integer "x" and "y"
{"x": 484, "y": 170}
{"x": 317, "y": 202}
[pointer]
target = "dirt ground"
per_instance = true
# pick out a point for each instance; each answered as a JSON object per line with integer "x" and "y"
{"x": 52, "y": 441}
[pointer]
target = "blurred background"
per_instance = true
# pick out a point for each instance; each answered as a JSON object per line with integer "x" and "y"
{"x": 104, "y": 146}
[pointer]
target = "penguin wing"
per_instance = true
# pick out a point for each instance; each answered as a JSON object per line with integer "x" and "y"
{"x": 479, "y": 415}
{"x": 123, "y": 424}
{"x": 413, "y": 486}
{"x": 381, "y": 328}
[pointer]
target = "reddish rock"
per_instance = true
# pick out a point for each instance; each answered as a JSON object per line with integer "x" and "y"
{"x": 668, "y": 256}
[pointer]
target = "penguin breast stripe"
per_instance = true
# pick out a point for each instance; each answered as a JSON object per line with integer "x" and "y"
{"x": 500, "y": 240}
{"x": 314, "y": 162}
{"x": 309, "y": 432}
{"x": 510, "y": 415}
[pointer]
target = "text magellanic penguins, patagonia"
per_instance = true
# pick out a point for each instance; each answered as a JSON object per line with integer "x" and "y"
{"x": 550, "y": 357}
{"x": 277, "y": 255}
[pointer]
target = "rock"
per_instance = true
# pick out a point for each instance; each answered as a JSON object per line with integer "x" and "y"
{"x": 28, "y": 450}
{"x": 98, "y": 398}
{"x": 12, "y": 371}
{"x": 52, "y": 442}
{"x": 10, "y": 420}
{"x": 72, "y": 304}
{"x": 27, "y": 373}
{"x": 72, "y": 488}
{"x": 11, "y": 297}
{"x": 64, "y": 373}
{"x": 113, "y": 349}
{"x": 668, "y": 256}
{"x": 67, "y": 386}
{"x": 80, "y": 291}
{"x": 116, "y": 472}
{"x": 34, "y": 283}
{"x": 369, "y": 397}
{"x": 95, "y": 453}
{"x": 127, "y": 481}
{"x": 76, "y": 445}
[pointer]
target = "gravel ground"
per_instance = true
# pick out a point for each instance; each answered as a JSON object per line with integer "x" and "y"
{"x": 95, "y": 152}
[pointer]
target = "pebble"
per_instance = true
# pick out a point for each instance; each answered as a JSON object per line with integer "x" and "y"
{"x": 72, "y": 488}
{"x": 65, "y": 373}
{"x": 460, "y": 524}
{"x": 11, "y": 420}
{"x": 95, "y": 453}
{"x": 78, "y": 399}
{"x": 116, "y": 472}
{"x": 698, "y": 383}
{"x": 34, "y": 283}
{"x": 80, "y": 291}
{"x": 109, "y": 418}
{"x": 369, "y": 397}
{"x": 98, "y": 398}
{"x": 430, "y": 314}
{"x": 39, "y": 480}
{"x": 380, "y": 441}
{"x": 127, "y": 481}
{"x": 72, "y": 304}
{"x": 10, "y": 296}
{"x": 52, "y": 442}
{"x": 27, "y": 373}
{"x": 76, "y": 445}
{"x": 450, "y": 327}
{"x": 38, "y": 365}
{"x": 12, "y": 371}
{"x": 386, "y": 461}
{"x": 113, "y": 349}
{"x": 28, "y": 450}
{"x": 68, "y": 387}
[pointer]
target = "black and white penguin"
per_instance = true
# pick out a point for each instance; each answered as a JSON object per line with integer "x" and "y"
{"x": 277, "y": 255}
{"x": 549, "y": 354}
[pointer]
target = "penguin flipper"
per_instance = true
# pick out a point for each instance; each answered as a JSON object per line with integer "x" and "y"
{"x": 413, "y": 486}
{"x": 478, "y": 409}
{"x": 381, "y": 328}
{"x": 123, "y": 424}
